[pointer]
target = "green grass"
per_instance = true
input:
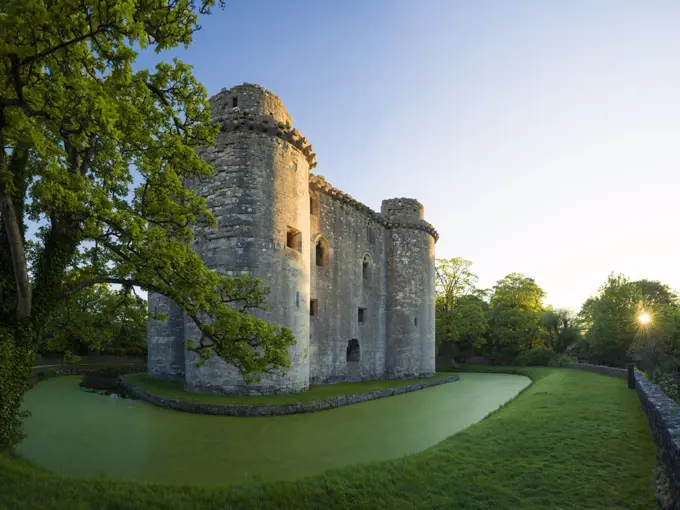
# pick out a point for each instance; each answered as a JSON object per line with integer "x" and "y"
{"x": 572, "y": 440}
{"x": 316, "y": 393}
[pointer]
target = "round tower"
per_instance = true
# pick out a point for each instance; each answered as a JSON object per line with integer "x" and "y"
{"x": 259, "y": 195}
{"x": 410, "y": 290}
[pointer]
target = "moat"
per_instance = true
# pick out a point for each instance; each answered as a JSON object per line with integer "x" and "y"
{"x": 82, "y": 433}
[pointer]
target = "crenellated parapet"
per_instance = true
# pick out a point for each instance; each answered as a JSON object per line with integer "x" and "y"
{"x": 319, "y": 183}
{"x": 237, "y": 120}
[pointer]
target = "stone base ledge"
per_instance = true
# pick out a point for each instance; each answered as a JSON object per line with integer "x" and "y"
{"x": 274, "y": 409}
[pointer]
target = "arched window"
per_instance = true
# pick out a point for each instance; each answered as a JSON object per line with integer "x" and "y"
{"x": 321, "y": 252}
{"x": 366, "y": 263}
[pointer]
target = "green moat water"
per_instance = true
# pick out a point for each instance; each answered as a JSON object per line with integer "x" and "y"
{"x": 76, "y": 432}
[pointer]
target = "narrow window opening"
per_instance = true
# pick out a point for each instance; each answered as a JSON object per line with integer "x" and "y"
{"x": 353, "y": 352}
{"x": 297, "y": 299}
{"x": 321, "y": 252}
{"x": 361, "y": 316}
{"x": 234, "y": 102}
{"x": 415, "y": 321}
{"x": 313, "y": 307}
{"x": 294, "y": 239}
{"x": 366, "y": 267}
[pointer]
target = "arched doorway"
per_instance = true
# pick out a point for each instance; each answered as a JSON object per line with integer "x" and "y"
{"x": 353, "y": 359}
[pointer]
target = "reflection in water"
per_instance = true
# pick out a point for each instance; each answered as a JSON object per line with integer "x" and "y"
{"x": 77, "y": 432}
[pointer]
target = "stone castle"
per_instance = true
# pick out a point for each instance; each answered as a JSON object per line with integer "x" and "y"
{"x": 355, "y": 286}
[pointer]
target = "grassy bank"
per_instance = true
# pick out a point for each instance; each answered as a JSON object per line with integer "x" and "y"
{"x": 571, "y": 440}
{"x": 175, "y": 389}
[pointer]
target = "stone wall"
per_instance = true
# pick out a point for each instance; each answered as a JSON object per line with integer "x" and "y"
{"x": 598, "y": 369}
{"x": 373, "y": 290}
{"x": 275, "y": 410}
{"x": 259, "y": 195}
{"x": 663, "y": 415}
{"x": 165, "y": 350}
{"x": 341, "y": 286}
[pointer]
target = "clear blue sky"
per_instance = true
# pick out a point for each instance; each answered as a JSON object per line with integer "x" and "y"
{"x": 542, "y": 137}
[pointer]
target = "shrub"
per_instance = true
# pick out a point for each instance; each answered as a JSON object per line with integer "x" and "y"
{"x": 560, "y": 360}
{"x": 535, "y": 357}
{"x": 15, "y": 378}
{"x": 668, "y": 384}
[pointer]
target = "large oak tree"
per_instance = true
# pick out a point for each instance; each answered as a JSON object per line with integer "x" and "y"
{"x": 78, "y": 127}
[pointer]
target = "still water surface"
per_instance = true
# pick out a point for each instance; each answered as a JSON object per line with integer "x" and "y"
{"x": 76, "y": 432}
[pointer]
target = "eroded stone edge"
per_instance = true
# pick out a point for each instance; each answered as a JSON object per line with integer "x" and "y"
{"x": 274, "y": 409}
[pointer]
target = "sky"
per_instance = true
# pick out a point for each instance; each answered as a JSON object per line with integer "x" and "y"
{"x": 541, "y": 137}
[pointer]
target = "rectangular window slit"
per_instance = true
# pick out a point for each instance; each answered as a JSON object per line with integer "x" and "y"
{"x": 362, "y": 315}
{"x": 313, "y": 307}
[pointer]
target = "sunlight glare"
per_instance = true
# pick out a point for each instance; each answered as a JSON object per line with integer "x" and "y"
{"x": 644, "y": 318}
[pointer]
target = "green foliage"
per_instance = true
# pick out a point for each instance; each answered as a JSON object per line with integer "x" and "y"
{"x": 538, "y": 356}
{"x": 514, "y": 317}
{"x": 519, "y": 292}
{"x": 667, "y": 383}
{"x": 98, "y": 319}
{"x": 561, "y": 330}
{"x": 612, "y": 328}
{"x": 459, "y": 314}
{"x": 15, "y": 376}
{"x": 454, "y": 279}
{"x": 563, "y": 360}
{"x": 97, "y": 152}
{"x": 584, "y": 430}
{"x": 465, "y": 323}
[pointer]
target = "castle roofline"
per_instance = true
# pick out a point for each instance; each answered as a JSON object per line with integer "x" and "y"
{"x": 318, "y": 182}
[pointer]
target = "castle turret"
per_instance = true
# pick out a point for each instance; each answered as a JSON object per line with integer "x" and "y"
{"x": 410, "y": 290}
{"x": 260, "y": 198}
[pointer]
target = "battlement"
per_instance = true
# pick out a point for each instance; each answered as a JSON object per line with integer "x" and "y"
{"x": 237, "y": 120}
{"x": 402, "y": 209}
{"x": 249, "y": 98}
{"x": 395, "y": 212}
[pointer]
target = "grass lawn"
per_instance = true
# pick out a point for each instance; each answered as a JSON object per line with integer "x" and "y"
{"x": 175, "y": 389}
{"x": 571, "y": 440}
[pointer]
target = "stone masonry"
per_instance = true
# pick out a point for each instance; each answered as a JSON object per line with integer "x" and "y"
{"x": 355, "y": 286}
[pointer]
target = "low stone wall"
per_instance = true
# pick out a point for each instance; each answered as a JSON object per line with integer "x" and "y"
{"x": 598, "y": 369}
{"x": 663, "y": 415}
{"x": 274, "y": 409}
{"x": 41, "y": 373}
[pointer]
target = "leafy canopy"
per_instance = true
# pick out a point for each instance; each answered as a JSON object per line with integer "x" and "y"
{"x": 96, "y": 152}
{"x": 611, "y": 319}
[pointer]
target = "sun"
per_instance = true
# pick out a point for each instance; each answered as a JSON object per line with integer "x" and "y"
{"x": 644, "y": 318}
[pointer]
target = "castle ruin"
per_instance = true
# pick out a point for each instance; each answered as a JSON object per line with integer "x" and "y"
{"x": 355, "y": 286}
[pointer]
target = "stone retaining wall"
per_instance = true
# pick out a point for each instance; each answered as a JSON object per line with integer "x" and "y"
{"x": 274, "y": 409}
{"x": 46, "y": 372}
{"x": 663, "y": 415}
{"x": 598, "y": 369}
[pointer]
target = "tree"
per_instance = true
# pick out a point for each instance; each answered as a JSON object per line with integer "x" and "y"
{"x": 518, "y": 291}
{"x": 459, "y": 313}
{"x": 97, "y": 319}
{"x": 514, "y": 316}
{"x": 561, "y": 331}
{"x": 454, "y": 279}
{"x": 464, "y": 324}
{"x": 610, "y": 318}
{"x": 78, "y": 128}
